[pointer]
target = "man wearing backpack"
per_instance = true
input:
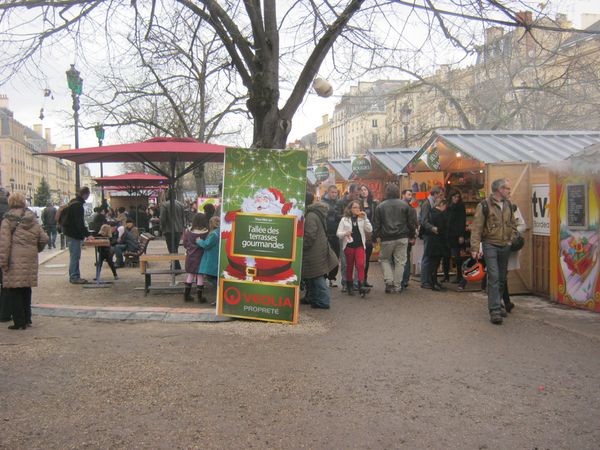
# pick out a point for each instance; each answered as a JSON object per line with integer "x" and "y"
{"x": 72, "y": 220}
{"x": 494, "y": 227}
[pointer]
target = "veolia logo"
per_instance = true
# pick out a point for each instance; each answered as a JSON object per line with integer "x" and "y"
{"x": 361, "y": 166}
{"x": 232, "y": 295}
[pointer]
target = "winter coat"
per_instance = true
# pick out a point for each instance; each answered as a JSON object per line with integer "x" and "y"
{"x": 333, "y": 215}
{"x": 456, "y": 220}
{"x": 436, "y": 243}
{"x": 346, "y": 225}
{"x": 317, "y": 258}
{"x": 21, "y": 238}
{"x": 178, "y": 217}
{"x": 498, "y": 228}
{"x": 49, "y": 216}
{"x": 393, "y": 220}
{"x": 194, "y": 253}
{"x": 209, "y": 264}
{"x": 75, "y": 224}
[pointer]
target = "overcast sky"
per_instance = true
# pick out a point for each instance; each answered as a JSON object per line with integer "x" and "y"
{"x": 26, "y": 98}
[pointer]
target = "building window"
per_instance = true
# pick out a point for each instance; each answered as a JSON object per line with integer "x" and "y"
{"x": 374, "y": 123}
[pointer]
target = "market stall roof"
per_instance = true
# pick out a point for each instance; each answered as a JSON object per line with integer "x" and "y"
{"x": 393, "y": 159}
{"x": 343, "y": 167}
{"x": 134, "y": 179}
{"x": 491, "y": 146}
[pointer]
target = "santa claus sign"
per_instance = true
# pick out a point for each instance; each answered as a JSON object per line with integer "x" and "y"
{"x": 261, "y": 233}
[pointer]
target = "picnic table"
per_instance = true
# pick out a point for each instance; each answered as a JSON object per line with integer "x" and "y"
{"x": 146, "y": 270}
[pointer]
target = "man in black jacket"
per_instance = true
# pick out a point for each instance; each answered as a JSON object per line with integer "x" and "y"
{"x": 49, "y": 222}
{"x": 333, "y": 220}
{"x": 393, "y": 227}
{"x": 76, "y": 231}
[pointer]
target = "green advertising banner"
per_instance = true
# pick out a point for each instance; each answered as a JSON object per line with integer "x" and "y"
{"x": 261, "y": 233}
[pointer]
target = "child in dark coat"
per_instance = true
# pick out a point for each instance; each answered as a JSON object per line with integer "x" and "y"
{"x": 193, "y": 256}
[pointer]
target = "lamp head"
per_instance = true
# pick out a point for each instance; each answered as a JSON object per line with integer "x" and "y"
{"x": 74, "y": 80}
{"x": 99, "y": 132}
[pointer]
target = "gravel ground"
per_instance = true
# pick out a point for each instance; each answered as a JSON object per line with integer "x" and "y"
{"x": 416, "y": 370}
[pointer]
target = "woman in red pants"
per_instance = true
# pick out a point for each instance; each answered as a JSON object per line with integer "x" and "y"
{"x": 352, "y": 230}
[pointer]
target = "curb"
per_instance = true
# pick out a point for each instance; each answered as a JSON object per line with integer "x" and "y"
{"x": 48, "y": 257}
{"x": 177, "y": 315}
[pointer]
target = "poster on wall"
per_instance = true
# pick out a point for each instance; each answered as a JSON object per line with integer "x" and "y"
{"x": 261, "y": 234}
{"x": 540, "y": 209}
{"x": 579, "y": 260}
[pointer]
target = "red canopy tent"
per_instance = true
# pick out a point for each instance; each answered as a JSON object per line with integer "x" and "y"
{"x": 188, "y": 151}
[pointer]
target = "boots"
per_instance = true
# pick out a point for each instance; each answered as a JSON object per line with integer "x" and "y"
{"x": 363, "y": 289}
{"x": 187, "y": 297}
{"x": 199, "y": 293}
{"x": 350, "y": 288}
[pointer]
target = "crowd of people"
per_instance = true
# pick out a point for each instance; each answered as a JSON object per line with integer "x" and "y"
{"x": 340, "y": 233}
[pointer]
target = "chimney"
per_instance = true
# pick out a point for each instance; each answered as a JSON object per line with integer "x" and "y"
{"x": 588, "y": 19}
{"x": 563, "y": 22}
{"x": 525, "y": 17}
{"x": 3, "y": 101}
{"x": 48, "y": 135}
{"x": 38, "y": 128}
{"x": 492, "y": 34}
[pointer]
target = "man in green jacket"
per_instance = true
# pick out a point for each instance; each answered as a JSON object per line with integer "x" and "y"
{"x": 494, "y": 230}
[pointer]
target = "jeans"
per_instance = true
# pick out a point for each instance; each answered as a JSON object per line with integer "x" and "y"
{"x": 52, "y": 236}
{"x": 317, "y": 292}
{"x": 342, "y": 262}
{"x": 406, "y": 275}
{"x": 425, "y": 264}
{"x": 396, "y": 249}
{"x": 74, "y": 257}
{"x": 496, "y": 259}
{"x": 334, "y": 242}
{"x": 119, "y": 249}
{"x": 172, "y": 240}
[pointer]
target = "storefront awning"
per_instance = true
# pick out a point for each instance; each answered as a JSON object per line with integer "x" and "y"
{"x": 393, "y": 159}
{"x": 445, "y": 147}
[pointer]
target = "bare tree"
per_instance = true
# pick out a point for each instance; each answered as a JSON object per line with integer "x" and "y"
{"x": 269, "y": 53}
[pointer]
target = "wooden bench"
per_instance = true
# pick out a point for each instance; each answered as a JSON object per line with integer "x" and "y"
{"x": 145, "y": 261}
{"x": 132, "y": 259}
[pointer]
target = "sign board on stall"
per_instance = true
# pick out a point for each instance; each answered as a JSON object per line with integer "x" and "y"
{"x": 540, "y": 205}
{"x": 577, "y": 206}
{"x": 261, "y": 244}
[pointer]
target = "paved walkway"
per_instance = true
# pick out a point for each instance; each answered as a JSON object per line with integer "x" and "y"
{"x": 58, "y": 259}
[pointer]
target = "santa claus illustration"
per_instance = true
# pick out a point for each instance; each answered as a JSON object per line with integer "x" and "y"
{"x": 264, "y": 201}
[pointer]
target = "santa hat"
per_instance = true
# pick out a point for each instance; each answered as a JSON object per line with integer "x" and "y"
{"x": 276, "y": 195}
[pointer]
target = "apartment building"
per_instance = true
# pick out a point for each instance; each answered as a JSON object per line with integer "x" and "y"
{"x": 21, "y": 170}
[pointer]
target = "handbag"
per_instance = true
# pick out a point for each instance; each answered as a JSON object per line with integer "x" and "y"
{"x": 517, "y": 243}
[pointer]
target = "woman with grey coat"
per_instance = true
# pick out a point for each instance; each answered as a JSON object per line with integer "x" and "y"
{"x": 318, "y": 258}
{"x": 21, "y": 239}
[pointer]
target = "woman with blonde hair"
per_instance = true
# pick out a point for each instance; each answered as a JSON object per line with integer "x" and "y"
{"x": 21, "y": 239}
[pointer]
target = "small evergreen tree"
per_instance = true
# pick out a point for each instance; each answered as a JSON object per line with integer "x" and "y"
{"x": 42, "y": 194}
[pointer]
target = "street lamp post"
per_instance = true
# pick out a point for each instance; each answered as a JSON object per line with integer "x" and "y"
{"x": 405, "y": 113}
{"x": 100, "y": 135}
{"x": 29, "y": 190}
{"x": 76, "y": 85}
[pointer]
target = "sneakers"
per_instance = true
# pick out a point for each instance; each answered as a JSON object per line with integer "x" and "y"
{"x": 332, "y": 283}
{"x": 503, "y": 312}
{"x": 496, "y": 318}
{"x": 389, "y": 288}
{"x": 78, "y": 281}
